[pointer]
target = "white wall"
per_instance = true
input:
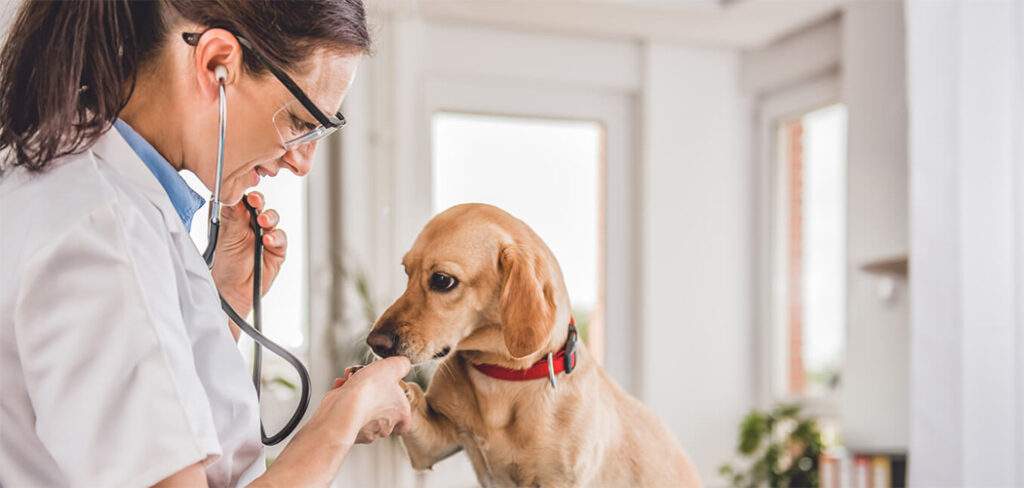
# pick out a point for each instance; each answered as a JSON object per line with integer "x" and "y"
{"x": 967, "y": 238}
{"x": 803, "y": 56}
{"x": 7, "y": 10}
{"x": 697, "y": 367}
{"x": 874, "y": 397}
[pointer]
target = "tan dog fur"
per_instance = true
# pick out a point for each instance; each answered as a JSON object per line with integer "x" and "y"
{"x": 511, "y": 308}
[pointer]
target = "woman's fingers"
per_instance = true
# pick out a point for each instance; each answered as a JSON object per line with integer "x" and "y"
{"x": 268, "y": 219}
{"x": 238, "y": 213}
{"x": 385, "y": 407}
{"x": 275, "y": 242}
{"x": 348, "y": 373}
{"x": 256, "y": 199}
{"x": 402, "y": 427}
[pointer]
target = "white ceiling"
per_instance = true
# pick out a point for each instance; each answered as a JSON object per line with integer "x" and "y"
{"x": 742, "y": 24}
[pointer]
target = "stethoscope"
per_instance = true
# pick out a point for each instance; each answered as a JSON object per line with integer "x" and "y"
{"x": 256, "y": 330}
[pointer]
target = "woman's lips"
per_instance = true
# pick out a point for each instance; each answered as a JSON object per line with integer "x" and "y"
{"x": 259, "y": 172}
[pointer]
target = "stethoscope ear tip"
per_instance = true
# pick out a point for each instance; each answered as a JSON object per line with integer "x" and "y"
{"x": 221, "y": 73}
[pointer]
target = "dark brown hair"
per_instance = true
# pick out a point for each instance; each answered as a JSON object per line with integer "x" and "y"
{"x": 67, "y": 68}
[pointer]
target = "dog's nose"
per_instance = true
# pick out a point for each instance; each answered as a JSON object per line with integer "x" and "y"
{"x": 382, "y": 342}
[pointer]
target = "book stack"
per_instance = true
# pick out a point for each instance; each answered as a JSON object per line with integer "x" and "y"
{"x": 843, "y": 468}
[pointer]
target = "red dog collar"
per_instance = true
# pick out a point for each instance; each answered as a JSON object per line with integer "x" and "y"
{"x": 552, "y": 364}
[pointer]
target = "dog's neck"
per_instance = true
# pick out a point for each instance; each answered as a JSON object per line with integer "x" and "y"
{"x": 498, "y": 401}
{"x": 486, "y": 346}
{"x": 552, "y": 365}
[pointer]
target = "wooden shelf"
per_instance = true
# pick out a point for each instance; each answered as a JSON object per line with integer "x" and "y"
{"x": 893, "y": 452}
{"x": 897, "y": 266}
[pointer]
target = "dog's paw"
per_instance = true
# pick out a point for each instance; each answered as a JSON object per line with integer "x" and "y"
{"x": 413, "y": 392}
{"x": 351, "y": 370}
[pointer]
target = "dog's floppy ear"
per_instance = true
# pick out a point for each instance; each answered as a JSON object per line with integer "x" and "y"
{"x": 527, "y": 304}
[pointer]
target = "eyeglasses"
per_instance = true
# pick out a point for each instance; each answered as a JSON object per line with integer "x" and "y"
{"x": 293, "y": 131}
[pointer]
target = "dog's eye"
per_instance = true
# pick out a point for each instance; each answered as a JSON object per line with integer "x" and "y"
{"x": 442, "y": 282}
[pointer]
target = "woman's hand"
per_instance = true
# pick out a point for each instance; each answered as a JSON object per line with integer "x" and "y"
{"x": 233, "y": 266}
{"x": 363, "y": 407}
{"x": 378, "y": 389}
{"x": 384, "y": 422}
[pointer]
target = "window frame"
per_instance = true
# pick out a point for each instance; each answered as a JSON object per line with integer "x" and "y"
{"x": 772, "y": 110}
{"x": 595, "y": 322}
{"x": 615, "y": 111}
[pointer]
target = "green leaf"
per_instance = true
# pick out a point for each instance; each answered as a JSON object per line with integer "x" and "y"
{"x": 282, "y": 381}
{"x": 786, "y": 411}
{"x": 771, "y": 457}
{"x": 805, "y": 430}
{"x": 768, "y": 439}
{"x": 752, "y": 432}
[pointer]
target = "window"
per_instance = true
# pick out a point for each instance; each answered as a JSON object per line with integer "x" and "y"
{"x": 546, "y": 172}
{"x": 810, "y": 256}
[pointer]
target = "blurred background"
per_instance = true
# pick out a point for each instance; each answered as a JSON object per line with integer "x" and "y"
{"x": 756, "y": 204}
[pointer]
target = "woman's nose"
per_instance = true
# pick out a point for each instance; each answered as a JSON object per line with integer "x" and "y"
{"x": 300, "y": 158}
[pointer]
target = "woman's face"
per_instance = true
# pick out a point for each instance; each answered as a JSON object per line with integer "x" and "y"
{"x": 253, "y": 145}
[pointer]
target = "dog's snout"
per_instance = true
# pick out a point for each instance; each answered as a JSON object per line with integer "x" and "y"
{"x": 383, "y": 343}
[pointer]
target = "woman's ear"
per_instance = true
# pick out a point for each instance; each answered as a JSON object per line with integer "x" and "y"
{"x": 527, "y": 304}
{"x": 217, "y": 52}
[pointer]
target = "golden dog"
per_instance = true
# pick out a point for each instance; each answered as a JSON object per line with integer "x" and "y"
{"x": 483, "y": 287}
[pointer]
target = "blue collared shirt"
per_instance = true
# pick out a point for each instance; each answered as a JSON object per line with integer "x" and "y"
{"x": 186, "y": 201}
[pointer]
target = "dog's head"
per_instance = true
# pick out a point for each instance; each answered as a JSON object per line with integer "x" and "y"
{"x": 479, "y": 279}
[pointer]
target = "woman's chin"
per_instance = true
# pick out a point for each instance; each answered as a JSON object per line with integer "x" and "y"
{"x": 231, "y": 196}
{"x": 232, "y": 190}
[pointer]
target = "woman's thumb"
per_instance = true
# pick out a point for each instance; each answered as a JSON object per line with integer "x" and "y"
{"x": 397, "y": 366}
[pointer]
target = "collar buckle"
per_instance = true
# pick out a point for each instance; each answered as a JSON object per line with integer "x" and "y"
{"x": 571, "y": 347}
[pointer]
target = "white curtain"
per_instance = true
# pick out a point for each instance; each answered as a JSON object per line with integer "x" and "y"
{"x": 965, "y": 82}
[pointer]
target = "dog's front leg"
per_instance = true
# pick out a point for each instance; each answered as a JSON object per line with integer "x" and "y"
{"x": 432, "y": 437}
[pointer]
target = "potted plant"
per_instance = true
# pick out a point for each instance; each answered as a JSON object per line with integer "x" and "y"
{"x": 779, "y": 448}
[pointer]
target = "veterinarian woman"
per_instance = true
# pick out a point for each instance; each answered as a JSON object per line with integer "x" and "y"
{"x": 118, "y": 366}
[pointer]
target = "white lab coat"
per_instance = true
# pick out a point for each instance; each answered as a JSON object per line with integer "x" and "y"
{"x": 117, "y": 367}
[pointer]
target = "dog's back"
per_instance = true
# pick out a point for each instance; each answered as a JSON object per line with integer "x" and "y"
{"x": 655, "y": 456}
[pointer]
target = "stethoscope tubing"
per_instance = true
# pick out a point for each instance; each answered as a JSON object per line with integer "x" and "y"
{"x": 214, "y": 230}
{"x": 256, "y": 330}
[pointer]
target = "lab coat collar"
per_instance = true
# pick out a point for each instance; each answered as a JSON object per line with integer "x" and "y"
{"x": 185, "y": 200}
{"x": 115, "y": 151}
